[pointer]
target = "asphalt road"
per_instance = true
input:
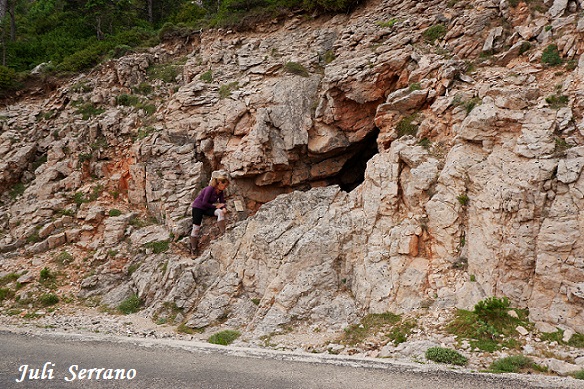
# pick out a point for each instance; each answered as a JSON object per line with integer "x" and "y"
{"x": 148, "y": 363}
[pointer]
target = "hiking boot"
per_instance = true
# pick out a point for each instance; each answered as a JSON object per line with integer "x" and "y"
{"x": 194, "y": 244}
{"x": 221, "y": 225}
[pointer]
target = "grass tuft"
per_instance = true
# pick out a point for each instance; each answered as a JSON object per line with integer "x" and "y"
{"x": 224, "y": 337}
{"x": 130, "y": 305}
{"x": 446, "y": 355}
{"x": 515, "y": 364}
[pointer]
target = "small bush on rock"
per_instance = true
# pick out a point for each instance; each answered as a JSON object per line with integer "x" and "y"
{"x": 514, "y": 364}
{"x": 130, "y": 305}
{"x": 446, "y": 355}
{"x": 224, "y": 337}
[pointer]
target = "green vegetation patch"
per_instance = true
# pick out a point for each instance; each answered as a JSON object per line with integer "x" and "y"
{"x": 8, "y": 278}
{"x": 130, "y": 305}
{"x": 224, "y": 337}
{"x": 127, "y": 100}
{"x": 401, "y": 331}
{"x": 551, "y": 56}
{"x": 6, "y": 293}
{"x": 64, "y": 258}
{"x": 370, "y": 324}
{"x": 557, "y": 101}
{"x": 434, "y": 33}
{"x": 17, "y": 190}
{"x": 463, "y": 199}
{"x": 387, "y": 23}
{"x": 158, "y": 247}
{"x": 207, "y": 76}
{"x": 515, "y": 364}
{"x": 296, "y": 68}
{"x": 164, "y": 72}
{"x": 87, "y": 110}
{"x": 577, "y": 340}
{"x": 48, "y": 299}
{"x": 446, "y": 355}
{"x": 489, "y": 326}
{"x": 114, "y": 212}
{"x": 407, "y": 126}
{"x": 46, "y": 275}
{"x": 7, "y": 79}
{"x": 226, "y": 89}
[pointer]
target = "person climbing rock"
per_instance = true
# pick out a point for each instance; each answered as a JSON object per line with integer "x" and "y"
{"x": 211, "y": 202}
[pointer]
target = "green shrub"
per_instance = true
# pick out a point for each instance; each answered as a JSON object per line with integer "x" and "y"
{"x": 149, "y": 109}
{"x": 389, "y": 23}
{"x": 579, "y": 375}
{"x": 79, "y": 198}
{"x": 143, "y": 88}
{"x": 48, "y": 299}
{"x": 87, "y": 110}
{"x": 127, "y": 100}
{"x": 46, "y": 274}
{"x": 463, "y": 199}
{"x": 81, "y": 87}
{"x": 114, "y": 212}
{"x": 132, "y": 268}
{"x": 328, "y": 56}
{"x": 577, "y": 340}
{"x": 6, "y": 293}
{"x": 295, "y": 68}
{"x": 434, "y": 33}
{"x": 225, "y": 90}
{"x": 119, "y": 51}
{"x": 11, "y": 277}
{"x": 163, "y": 72}
{"x": 524, "y": 48}
{"x": 33, "y": 237}
{"x": 492, "y": 308}
{"x": 557, "y": 101}
{"x": 484, "y": 326}
{"x": 514, "y": 364}
{"x": 407, "y": 126}
{"x": 373, "y": 322}
{"x": 157, "y": 247}
{"x": 130, "y": 305}
{"x": 64, "y": 257}
{"x": 144, "y": 132}
{"x": 17, "y": 190}
{"x": 414, "y": 87}
{"x": 99, "y": 144}
{"x": 7, "y": 79}
{"x": 84, "y": 59}
{"x": 183, "y": 329}
{"x": 207, "y": 76}
{"x": 224, "y": 337}
{"x": 400, "y": 332}
{"x": 471, "y": 104}
{"x": 173, "y": 31}
{"x": 446, "y": 355}
{"x": 95, "y": 192}
{"x": 425, "y": 143}
{"x": 551, "y": 56}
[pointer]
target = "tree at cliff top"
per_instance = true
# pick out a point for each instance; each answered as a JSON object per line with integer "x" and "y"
{"x": 76, "y": 35}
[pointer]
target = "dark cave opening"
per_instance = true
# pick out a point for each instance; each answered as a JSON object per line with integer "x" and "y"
{"x": 353, "y": 172}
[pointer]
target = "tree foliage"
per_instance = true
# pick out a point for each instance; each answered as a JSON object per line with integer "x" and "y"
{"x": 77, "y": 34}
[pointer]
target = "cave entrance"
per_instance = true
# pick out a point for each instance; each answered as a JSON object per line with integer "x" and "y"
{"x": 353, "y": 172}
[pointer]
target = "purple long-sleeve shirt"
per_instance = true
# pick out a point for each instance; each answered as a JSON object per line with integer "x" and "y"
{"x": 207, "y": 198}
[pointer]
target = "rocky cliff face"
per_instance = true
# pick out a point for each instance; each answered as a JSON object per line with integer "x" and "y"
{"x": 409, "y": 155}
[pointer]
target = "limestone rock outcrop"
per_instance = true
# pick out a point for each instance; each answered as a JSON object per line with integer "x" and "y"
{"x": 408, "y": 155}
